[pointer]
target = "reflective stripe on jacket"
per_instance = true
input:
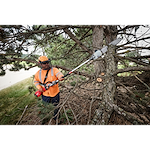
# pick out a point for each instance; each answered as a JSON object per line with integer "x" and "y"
{"x": 54, "y": 74}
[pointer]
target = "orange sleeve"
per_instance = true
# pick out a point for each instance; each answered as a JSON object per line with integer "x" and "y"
{"x": 36, "y": 81}
{"x": 58, "y": 74}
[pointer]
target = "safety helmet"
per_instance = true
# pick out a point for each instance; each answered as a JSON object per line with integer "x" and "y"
{"x": 43, "y": 59}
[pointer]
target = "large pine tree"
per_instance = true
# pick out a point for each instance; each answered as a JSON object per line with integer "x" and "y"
{"x": 70, "y": 45}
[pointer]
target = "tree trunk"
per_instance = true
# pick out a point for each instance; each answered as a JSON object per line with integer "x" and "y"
{"x": 97, "y": 44}
{"x": 105, "y": 109}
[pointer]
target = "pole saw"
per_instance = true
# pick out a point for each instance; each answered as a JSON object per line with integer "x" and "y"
{"x": 97, "y": 54}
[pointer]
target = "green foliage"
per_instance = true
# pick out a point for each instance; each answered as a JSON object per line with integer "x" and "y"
{"x": 14, "y": 41}
{"x": 2, "y": 72}
{"x": 65, "y": 52}
{"x": 133, "y": 54}
{"x": 69, "y": 115}
{"x": 31, "y": 89}
{"x": 45, "y": 109}
{"x": 58, "y": 46}
{"x": 73, "y": 83}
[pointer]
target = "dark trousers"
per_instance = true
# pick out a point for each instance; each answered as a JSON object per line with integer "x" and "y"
{"x": 54, "y": 100}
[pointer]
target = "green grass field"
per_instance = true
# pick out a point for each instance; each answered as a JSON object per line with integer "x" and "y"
{"x": 13, "y": 101}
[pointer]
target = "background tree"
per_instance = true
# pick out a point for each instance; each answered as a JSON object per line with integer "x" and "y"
{"x": 111, "y": 97}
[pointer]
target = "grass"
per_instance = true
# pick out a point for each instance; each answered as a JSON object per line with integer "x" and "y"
{"x": 13, "y": 101}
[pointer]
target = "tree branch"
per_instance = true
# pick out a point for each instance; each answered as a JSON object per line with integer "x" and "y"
{"x": 131, "y": 69}
{"x": 133, "y": 60}
{"x": 22, "y": 59}
{"x": 127, "y": 27}
{"x": 84, "y": 36}
{"x": 77, "y": 41}
{"x": 136, "y": 40}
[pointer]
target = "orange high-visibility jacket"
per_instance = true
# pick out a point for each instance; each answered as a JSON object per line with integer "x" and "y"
{"x": 53, "y": 74}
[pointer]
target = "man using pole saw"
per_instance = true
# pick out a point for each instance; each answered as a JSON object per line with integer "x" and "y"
{"x": 46, "y": 75}
{"x": 47, "y": 78}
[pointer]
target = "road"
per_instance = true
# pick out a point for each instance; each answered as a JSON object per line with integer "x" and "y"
{"x": 12, "y": 77}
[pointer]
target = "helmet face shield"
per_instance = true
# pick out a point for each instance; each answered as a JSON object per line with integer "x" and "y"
{"x": 45, "y": 62}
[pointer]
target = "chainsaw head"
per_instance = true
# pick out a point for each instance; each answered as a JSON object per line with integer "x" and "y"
{"x": 115, "y": 42}
{"x": 99, "y": 53}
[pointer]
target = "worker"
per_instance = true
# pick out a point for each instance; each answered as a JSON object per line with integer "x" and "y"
{"x": 47, "y": 73}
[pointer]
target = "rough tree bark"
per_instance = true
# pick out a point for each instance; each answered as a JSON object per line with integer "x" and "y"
{"x": 106, "y": 105}
{"x": 97, "y": 44}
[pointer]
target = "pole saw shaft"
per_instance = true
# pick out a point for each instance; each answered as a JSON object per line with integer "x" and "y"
{"x": 76, "y": 68}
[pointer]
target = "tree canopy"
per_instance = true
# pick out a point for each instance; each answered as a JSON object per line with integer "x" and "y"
{"x": 68, "y": 45}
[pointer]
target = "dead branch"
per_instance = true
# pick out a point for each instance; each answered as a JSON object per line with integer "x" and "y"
{"x": 89, "y": 119}
{"x": 131, "y": 69}
{"x": 22, "y": 115}
{"x": 141, "y": 81}
{"x": 133, "y": 60}
{"x": 127, "y": 27}
{"x": 125, "y": 114}
{"x": 126, "y": 88}
{"x": 66, "y": 115}
{"x": 136, "y": 40}
{"x": 73, "y": 113}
